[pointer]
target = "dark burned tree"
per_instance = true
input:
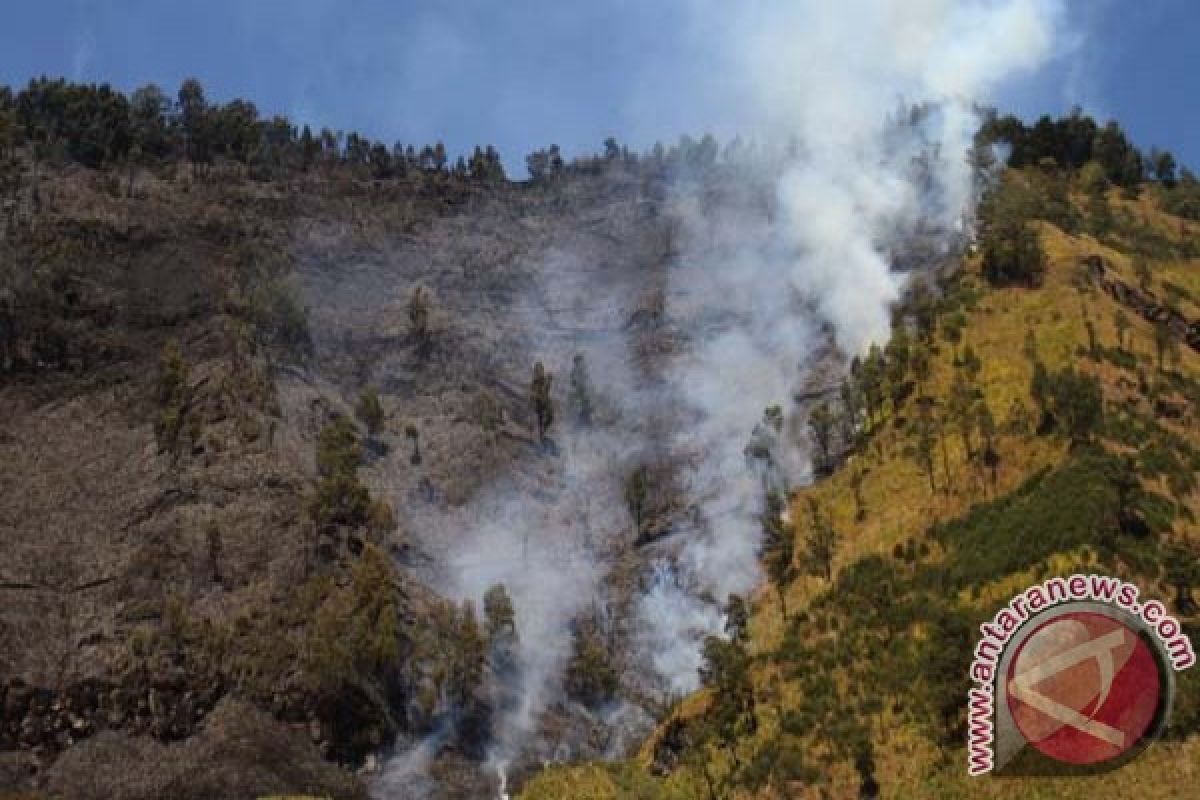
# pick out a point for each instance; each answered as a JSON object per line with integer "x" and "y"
{"x": 637, "y": 492}
{"x": 418, "y": 320}
{"x": 501, "y": 626}
{"x": 370, "y": 410}
{"x": 580, "y": 393}
{"x": 411, "y": 432}
{"x": 1166, "y": 347}
{"x": 990, "y": 457}
{"x": 591, "y": 676}
{"x": 541, "y": 401}
{"x": 1093, "y": 348}
{"x": 498, "y": 610}
{"x": 737, "y": 619}
{"x": 212, "y": 540}
{"x": 465, "y": 684}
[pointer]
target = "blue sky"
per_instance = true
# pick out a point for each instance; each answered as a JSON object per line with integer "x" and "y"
{"x": 521, "y": 74}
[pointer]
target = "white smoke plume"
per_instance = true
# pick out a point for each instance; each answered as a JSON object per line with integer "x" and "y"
{"x": 760, "y": 294}
{"x": 828, "y": 76}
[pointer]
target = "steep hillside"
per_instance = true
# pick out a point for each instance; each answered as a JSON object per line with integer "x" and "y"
{"x": 161, "y": 561}
{"x": 276, "y": 429}
{"x": 334, "y": 468}
{"x": 966, "y": 489}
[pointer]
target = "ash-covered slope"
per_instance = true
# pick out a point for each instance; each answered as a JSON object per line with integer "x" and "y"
{"x": 160, "y": 556}
{"x": 588, "y": 269}
{"x": 172, "y": 359}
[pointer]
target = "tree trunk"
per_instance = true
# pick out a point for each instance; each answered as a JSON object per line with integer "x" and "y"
{"x": 945, "y": 462}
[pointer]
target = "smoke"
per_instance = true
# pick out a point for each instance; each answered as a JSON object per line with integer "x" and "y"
{"x": 861, "y": 178}
{"x": 785, "y": 272}
{"x": 828, "y": 74}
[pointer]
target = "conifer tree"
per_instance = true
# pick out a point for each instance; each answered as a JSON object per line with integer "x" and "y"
{"x": 580, "y": 394}
{"x": 540, "y": 400}
{"x": 821, "y": 422}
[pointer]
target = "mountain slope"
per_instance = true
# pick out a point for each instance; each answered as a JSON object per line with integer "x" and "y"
{"x": 862, "y": 688}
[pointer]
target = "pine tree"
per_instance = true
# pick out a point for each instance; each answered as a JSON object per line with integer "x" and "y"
{"x": 541, "y": 401}
{"x": 779, "y": 548}
{"x": 501, "y": 624}
{"x": 898, "y": 354}
{"x": 851, "y": 413}
{"x": 173, "y": 394}
{"x": 637, "y": 490}
{"x": 737, "y": 619}
{"x": 962, "y": 410}
{"x": 926, "y": 440}
{"x": 821, "y": 422}
{"x": 919, "y": 361}
{"x": 470, "y": 652}
{"x": 871, "y": 377}
{"x": 1121, "y": 321}
{"x": 731, "y": 715}
{"x": 1093, "y": 344}
{"x": 820, "y": 544}
{"x": 193, "y": 119}
{"x": 1166, "y": 348}
{"x": 580, "y": 393}
{"x": 856, "y": 484}
{"x": 591, "y": 678}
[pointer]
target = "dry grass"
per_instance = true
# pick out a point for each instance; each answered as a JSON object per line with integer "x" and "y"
{"x": 900, "y": 505}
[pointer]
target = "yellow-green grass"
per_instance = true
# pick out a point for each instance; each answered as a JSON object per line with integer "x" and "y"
{"x": 900, "y": 505}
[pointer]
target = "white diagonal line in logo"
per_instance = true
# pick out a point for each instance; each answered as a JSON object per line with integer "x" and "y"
{"x": 1100, "y": 649}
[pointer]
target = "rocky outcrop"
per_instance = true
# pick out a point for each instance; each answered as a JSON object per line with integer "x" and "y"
{"x": 1143, "y": 302}
{"x": 45, "y": 721}
{"x": 238, "y": 751}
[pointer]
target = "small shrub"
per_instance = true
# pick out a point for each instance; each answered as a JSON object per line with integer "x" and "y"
{"x": 370, "y": 410}
{"x": 172, "y": 394}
